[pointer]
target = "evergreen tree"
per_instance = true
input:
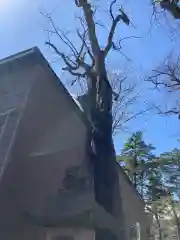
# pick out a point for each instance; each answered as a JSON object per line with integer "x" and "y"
{"x": 137, "y": 156}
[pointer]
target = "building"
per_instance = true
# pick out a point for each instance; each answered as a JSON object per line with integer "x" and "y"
{"x": 46, "y": 182}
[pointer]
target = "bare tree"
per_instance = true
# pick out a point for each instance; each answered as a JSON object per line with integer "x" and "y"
{"x": 170, "y": 6}
{"x": 125, "y": 99}
{"x": 89, "y": 62}
{"x": 165, "y": 15}
{"x": 166, "y": 78}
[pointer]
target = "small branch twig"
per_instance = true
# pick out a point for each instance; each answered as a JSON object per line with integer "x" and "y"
{"x": 62, "y": 55}
{"x": 115, "y": 20}
{"x": 88, "y": 13}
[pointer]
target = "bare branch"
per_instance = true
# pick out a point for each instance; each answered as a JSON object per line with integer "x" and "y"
{"x": 128, "y": 37}
{"x": 86, "y": 46}
{"x": 99, "y": 23}
{"x": 77, "y": 74}
{"x": 172, "y": 7}
{"x": 70, "y": 68}
{"x": 88, "y": 13}
{"x": 77, "y": 61}
{"x": 115, "y": 20}
{"x": 83, "y": 24}
{"x": 76, "y": 54}
{"x": 77, "y": 3}
{"x": 83, "y": 39}
{"x": 172, "y": 111}
{"x": 111, "y": 9}
{"x": 137, "y": 114}
{"x": 62, "y": 36}
{"x": 111, "y": 35}
{"x": 168, "y": 78}
{"x": 83, "y": 43}
{"x": 62, "y": 55}
{"x": 125, "y": 98}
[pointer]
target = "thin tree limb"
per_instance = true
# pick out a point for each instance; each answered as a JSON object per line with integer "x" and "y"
{"x": 88, "y": 13}
{"x": 63, "y": 37}
{"x": 111, "y": 35}
{"x": 87, "y": 48}
{"x": 111, "y": 9}
{"x": 77, "y": 74}
{"x": 62, "y": 55}
{"x": 115, "y": 20}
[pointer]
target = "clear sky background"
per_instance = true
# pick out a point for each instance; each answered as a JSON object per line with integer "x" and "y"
{"x": 22, "y": 26}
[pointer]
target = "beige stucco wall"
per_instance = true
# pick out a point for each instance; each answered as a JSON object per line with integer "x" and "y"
{"x": 50, "y": 139}
{"x": 56, "y": 140}
{"x": 133, "y": 207}
{"x": 14, "y": 86}
{"x": 15, "y": 82}
{"x": 73, "y": 234}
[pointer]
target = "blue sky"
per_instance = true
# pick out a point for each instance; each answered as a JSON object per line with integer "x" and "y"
{"x": 22, "y": 26}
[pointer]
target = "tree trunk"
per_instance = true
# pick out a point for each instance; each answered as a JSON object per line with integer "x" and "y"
{"x": 176, "y": 219}
{"x": 172, "y": 7}
{"x": 106, "y": 178}
{"x": 159, "y": 226}
{"x": 177, "y": 224}
{"x": 154, "y": 211}
{"x": 135, "y": 168}
{"x": 135, "y": 171}
{"x": 142, "y": 183}
{"x": 178, "y": 231}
